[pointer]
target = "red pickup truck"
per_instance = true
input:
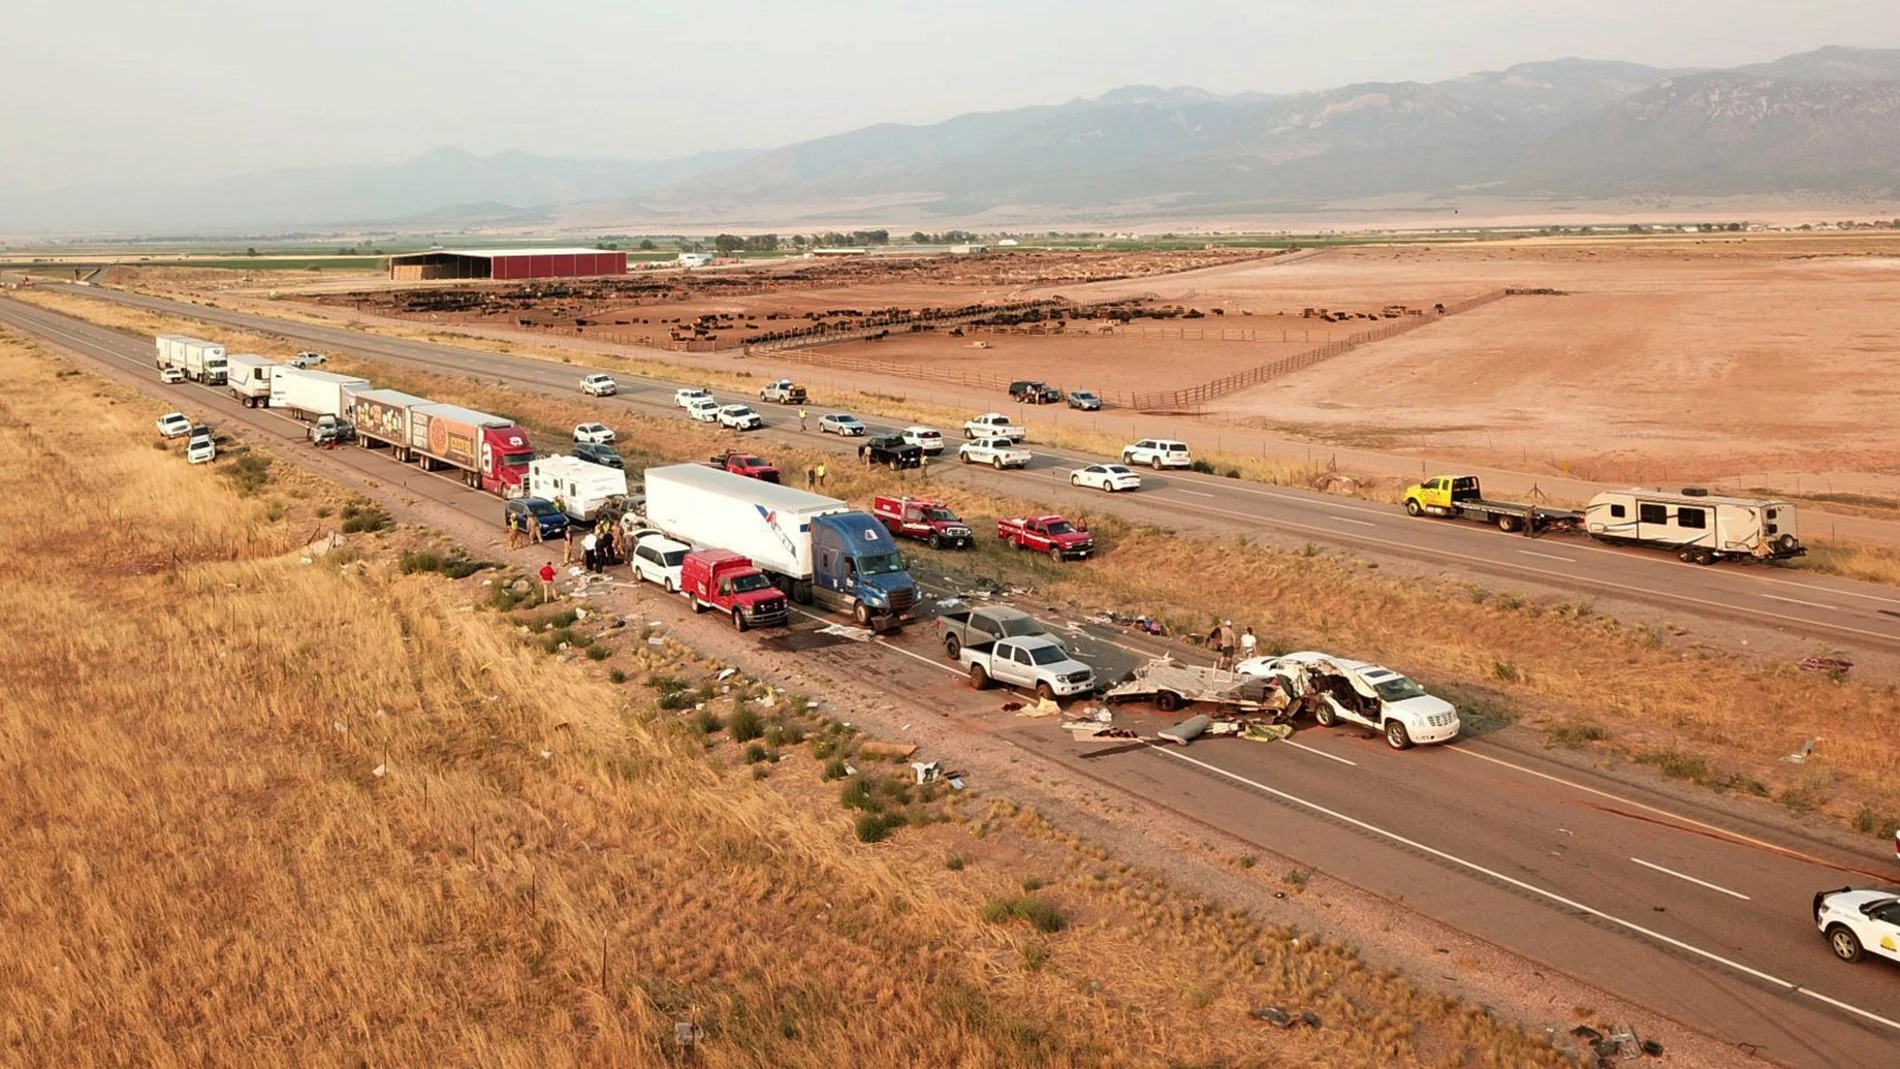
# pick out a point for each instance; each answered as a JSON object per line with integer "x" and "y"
{"x": 724, "y": 580}
{"x": 1053, "y": 535}
{"x": 923, "y": 519}
{"x": 746, "y": 464}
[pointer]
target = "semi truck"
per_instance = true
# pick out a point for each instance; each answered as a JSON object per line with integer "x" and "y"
{"x": 248, "y": 375}
{"x": 576, "y": 487}
{"x": 816, "y": 549}
{"x": 307, "y": 394}
{"x": 200, "y": 360}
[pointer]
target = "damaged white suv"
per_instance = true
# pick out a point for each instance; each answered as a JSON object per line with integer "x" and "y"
{"x": 1340, "y": 690}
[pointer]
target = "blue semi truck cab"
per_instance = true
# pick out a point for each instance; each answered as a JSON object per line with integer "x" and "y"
{"x": 856, "y": 564}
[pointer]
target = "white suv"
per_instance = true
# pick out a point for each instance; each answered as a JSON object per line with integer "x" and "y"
{"x": 1157, "y": 453}
{"x": 1356, "y": 692}
{"x": 599, "y": 384}
{"x": 686, "y": 395}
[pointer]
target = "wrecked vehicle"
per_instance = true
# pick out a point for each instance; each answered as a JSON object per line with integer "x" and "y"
{"x": 1171, "y": 685}
{"x": 1336, "y": 690}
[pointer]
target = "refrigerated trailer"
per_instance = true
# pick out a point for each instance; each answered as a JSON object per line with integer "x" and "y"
{"x": 491, "y": 452}
{"x": 200, "y": 360}
{"x": 248, "y": 375}
{"x": 817, "y": 549}
{"x": 382, "y": 418}
{"x": 308, "y": 394}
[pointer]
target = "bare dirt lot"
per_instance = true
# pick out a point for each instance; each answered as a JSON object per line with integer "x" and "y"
{"x": 1666, "y": 359}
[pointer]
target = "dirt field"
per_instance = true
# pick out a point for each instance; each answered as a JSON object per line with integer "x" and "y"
{"x": 1665, "y": 360}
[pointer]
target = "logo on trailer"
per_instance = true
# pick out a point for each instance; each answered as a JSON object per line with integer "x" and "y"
{"x": 770, "y": 516}
{"x": 488, "y": 456}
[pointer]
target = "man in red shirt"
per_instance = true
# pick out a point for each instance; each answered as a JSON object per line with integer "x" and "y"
{"x": 547, "y": 582}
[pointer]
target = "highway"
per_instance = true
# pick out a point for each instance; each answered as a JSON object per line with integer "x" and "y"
{"x": 1841, "y": 613}
{"x": 1686, "y": 908}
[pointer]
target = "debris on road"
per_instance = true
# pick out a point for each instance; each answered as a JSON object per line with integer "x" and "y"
{"x": 1187, "y": 730}
{"x": 1833, "y": 665}
{"x": 1259, "y": 732}
{"x": 1042, "y": 707}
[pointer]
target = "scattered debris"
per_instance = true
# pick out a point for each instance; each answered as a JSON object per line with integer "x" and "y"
{"x": 927, "y": 771}
{"x": 1172, "y": 685}
{"x": 1800, "y": 757}
{"x": 1259, "y": 732}
{"x": 855, "y": 634}
{"x": 1835, "y": 665}
{"x": 725, "y": 674}
{"x": 1187, "y": 730}
{"x": 1271, "y": 1014}
{"x": 1012, "y": 706}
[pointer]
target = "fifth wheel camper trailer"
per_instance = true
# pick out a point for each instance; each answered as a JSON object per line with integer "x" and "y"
{"x": 1701, "y": 527}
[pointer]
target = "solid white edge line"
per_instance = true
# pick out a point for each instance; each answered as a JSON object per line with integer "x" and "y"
{"x": 1322, "y": 753}
{"x": 1553, "y": 896}
{"x": 1798, "y": 601}
{"x": 1196, "y": 493}
{"x": 1547, "y": 556}
{"x": 1691, "y": 879}
{"x": 1349, "y": 519}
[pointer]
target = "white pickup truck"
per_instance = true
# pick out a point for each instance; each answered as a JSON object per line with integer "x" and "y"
{"x": 994, "y": 425}
{"x": 1036, "y": 662}
{"x": 999, "y": 453}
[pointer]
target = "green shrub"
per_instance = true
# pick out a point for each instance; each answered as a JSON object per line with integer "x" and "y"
{"x": 250, "y": 472}
{"x": 754, "y": 752}
{"x": 364, "y": 518}
{"x": 955, "y": 862}
{"x": 859, "y": 795}
{"x": 876, "y": 827}
{"x": 597, "y": 652}
{"x": 707, "y": 722}
{"x": 744, "y": 724}
{"x": 1037, "y": 911}
{"x": 615, "y": 675}
{"x": 453, "y": 565}
{"x": 835, "y": 769}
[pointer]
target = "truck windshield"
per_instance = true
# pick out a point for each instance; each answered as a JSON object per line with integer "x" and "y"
{"x": 516, "y": 460}
{"x": 880, "y": 564}
{"x": 1398, "y": 688}
{"x": 1047, "y": 654}
{"x": 754, "y": 581}
{"x": 1059, "y": 527}
{"x": 941, "y": 516}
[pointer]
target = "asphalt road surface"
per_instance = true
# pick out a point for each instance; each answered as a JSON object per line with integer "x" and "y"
{"x": 1686, "y": 908}
{"x": 1842, "y": 613}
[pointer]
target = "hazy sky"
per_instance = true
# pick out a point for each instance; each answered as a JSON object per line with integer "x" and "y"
{"x": 105, "y": 91}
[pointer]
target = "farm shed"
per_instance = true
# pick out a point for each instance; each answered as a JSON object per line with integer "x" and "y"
{"x": 506, "y": 263}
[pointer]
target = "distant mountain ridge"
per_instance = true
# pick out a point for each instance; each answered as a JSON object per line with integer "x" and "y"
{"x": 1824, "y": 122}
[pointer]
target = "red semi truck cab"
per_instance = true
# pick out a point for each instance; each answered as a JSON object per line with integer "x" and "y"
{"x": 924, "y": 519}
{"x": 505, "y": 457}
{"x": 723, "y": 580}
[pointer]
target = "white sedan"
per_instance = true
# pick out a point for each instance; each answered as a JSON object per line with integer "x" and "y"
{"x": 172, "y": 376}
{"x": 594, "y": 433}
{"x": 685, "y": 396}
{"x": 740, "y": 418}
{"x": 705, "y": 410}
{"x": 599, "y": 385}
{"x": 173, "y": 425}
{"x": 842, "y": 424}
{"x": 1108, "y": 477}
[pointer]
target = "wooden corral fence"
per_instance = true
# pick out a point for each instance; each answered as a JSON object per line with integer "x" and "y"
{"x": 1194, "y": 398}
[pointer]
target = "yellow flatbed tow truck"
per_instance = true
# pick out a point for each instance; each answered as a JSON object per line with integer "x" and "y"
{"x": 1460, "y": 496}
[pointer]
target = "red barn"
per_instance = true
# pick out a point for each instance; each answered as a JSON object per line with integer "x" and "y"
{"x": 507, "y": 263}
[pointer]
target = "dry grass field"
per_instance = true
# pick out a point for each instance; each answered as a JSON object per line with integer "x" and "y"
{"x": 267, "y": 812}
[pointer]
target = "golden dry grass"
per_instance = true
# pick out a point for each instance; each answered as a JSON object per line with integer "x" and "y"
{"x": 204, "y": 866}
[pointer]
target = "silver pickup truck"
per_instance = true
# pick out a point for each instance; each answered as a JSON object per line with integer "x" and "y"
{"x": 1036, "y": 662}
{"x": 976, "y": 627}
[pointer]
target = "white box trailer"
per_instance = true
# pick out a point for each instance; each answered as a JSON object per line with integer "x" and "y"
{"x": 248, "y": 375}
{"x": 308, "y": 394}
{"x": 1701, "y": 527}
{"x": 576, "y": 487}
{"x": 816, "y": 548}
{"x": 200, "y": 360}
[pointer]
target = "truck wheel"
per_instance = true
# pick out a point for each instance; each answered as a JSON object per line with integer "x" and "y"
{"x": 1167, "y": 701}
{"x": 862, "y": 613}
{"x": 1412, "y": 507}
{"x": 998, "y": 462}
{"x": 935, "y": 541}
{"x": 1845, "y": 943}
{"x": 965, "y": 457}
{"x": 979, "y": 679}
{"x": 894, "y": 464}
{"x": 801, "y": 592}
{"x": 1055, "y": 554}
{"x": 698, "y": 605}
{"x": 1155, "y": 463}
{"x": 952, "y": 645}
{"x": 667, "y": 585}
{"x": 1045, "y": 693}
{"x": 1323, "y": 715}
{"x": 1507, "y": 524}
{"x": 1705, "y": 557}
{"x": 738, "y": 620}
{"x": 1396, "y": 736}
{"x": 1686, "y": 556}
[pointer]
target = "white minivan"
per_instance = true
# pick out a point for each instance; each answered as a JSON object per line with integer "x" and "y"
{"x": 656, "y": 559}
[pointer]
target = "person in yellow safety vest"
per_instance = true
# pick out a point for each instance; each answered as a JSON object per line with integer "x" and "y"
{"x": 801, "y": 420}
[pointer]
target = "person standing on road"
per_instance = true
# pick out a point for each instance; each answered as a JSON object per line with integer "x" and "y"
{"x": 821, "y": 475}
{"x": 514, "y": 531}
{"x": 547, "y": 582}
{"x": 1224, "y": 638}
{"x": 567, "y": 550}
{"x": 1247, "y": 644}
{"x": 589, "y": 558}
{"x": 801, "y": 421}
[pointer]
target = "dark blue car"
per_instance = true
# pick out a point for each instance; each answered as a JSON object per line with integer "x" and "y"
{"x": 539, "y": 511}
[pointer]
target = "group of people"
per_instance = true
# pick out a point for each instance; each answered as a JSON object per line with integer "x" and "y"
{"x": 600, "y": 547}
{"x": 1231, "y": 647}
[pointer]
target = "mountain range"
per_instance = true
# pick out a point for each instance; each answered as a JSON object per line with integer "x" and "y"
{"x": 1825, "y": 122}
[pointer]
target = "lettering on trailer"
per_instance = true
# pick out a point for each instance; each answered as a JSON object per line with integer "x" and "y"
{"x": 770, "y": 516}
{"x": 488, "y": 458}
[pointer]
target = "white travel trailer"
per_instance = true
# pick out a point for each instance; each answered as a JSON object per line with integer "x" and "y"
{"x": 1701, "y": 527}
{"x": 578, "y": 488}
